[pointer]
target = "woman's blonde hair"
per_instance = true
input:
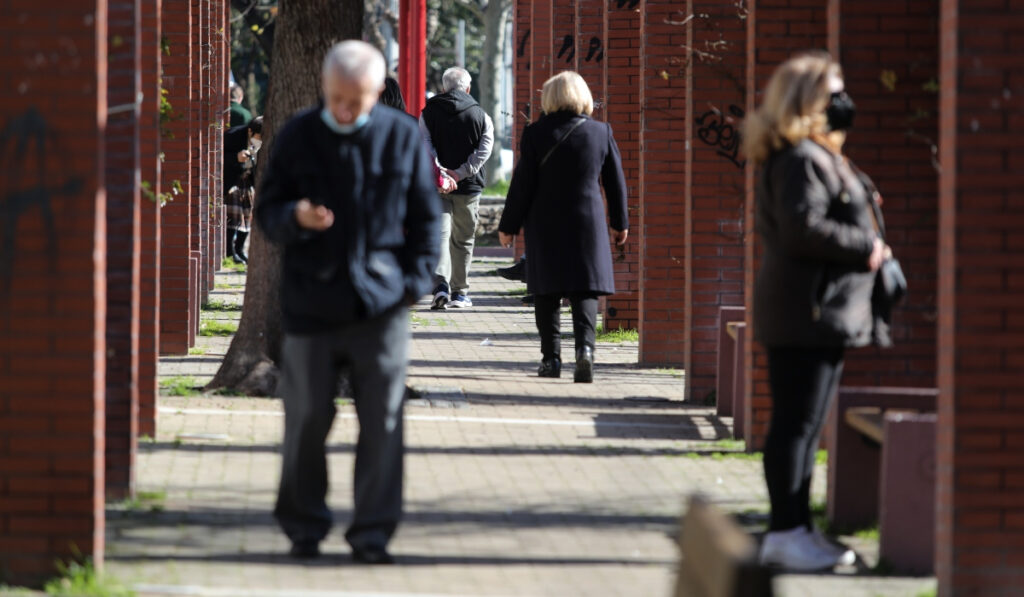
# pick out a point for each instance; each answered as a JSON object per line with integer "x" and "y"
{"x": 566, "y": 91}
{"x": 794, "y": 105}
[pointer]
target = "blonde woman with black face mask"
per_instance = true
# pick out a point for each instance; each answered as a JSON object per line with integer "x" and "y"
{"x": 816, "y": 216}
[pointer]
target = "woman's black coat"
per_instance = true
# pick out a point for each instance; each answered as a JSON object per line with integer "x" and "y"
{"x": 559, "y": 205}
{"x": 814, "y": 216}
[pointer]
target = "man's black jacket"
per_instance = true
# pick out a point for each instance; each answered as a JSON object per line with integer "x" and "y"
{"x": 382, "y": 248}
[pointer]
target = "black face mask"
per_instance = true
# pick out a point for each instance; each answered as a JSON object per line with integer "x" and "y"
{"x": 840, "y": 111}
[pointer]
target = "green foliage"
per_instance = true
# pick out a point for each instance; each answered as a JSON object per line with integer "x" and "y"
{"x": 219, "y": 305}
{"x": 196, "y": 351}
{"x": 216, "y": 327}
{"x": 230, "y": 265}
{"x": 81, "y": 579}
{"x": 617, "y": 336}
{"x": 417, "y": 320}
{"x": 515, "y": 292}
{"x": 145, "y": 501}
{"x": 179, "y": 386}
{"x": 160, "y": 198}
{"x": 498, "y": 189}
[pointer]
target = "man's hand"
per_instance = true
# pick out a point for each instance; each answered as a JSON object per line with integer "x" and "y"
{"x": 313, "y": 217}
{"x": 506, "y": 239}
{"x": 618, "y": 237}
{"x": 451, "y": 173}
{"x": 878, "y": 253}
{"x": 448, "y": 185}
{"x": 243, "y": 156}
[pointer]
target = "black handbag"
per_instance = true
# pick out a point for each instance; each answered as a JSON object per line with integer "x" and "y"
{"x": 890, "y": 275}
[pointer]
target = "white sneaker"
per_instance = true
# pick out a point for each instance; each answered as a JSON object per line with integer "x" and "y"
{"x": 844, "y": 555}
{"x": 440, "y": 302}
{"x": 796, "y": 550}
{"x": 460, "y": 301}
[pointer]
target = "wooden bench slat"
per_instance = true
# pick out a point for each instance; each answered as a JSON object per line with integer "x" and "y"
{"x": 868, "y": 420}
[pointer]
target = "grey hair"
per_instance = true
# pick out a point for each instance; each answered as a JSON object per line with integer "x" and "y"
{"x": 455, "y": 78}
{"x": 236, "y": 90}
{"x": 355, "y": 60}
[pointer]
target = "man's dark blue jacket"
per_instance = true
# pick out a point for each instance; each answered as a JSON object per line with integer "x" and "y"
{"x": 382, "y": 249}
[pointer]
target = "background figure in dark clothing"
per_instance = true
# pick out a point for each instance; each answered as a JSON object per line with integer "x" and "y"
{"x": 239, "y": 114}
{"x": 392, "y": 95}
{"x": 241, "y": 145}
{"x": 555, "y": 197}
{"x": 812, "y": 296}
{"x": 348, "y": 192}
{"x": 460, "y": 135}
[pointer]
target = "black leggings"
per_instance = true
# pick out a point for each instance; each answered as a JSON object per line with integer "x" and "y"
{"x": 547, "y": 311}
{"x": 803, "y": 382}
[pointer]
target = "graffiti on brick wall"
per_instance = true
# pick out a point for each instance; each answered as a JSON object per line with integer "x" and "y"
{"x": 717, "y": 130}
{"x": 629, "y": 4}
{"x": 28, "y": 135}
{"x": 521, "y": 49}
{"x": 595, "y": 49}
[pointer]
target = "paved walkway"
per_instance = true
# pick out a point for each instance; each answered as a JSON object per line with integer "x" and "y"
{"x": 515, "y": 485}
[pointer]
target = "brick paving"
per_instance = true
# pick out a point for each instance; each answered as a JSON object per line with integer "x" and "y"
{"x": 515, "y": 485}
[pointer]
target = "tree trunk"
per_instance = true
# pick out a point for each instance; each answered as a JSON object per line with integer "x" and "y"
{"x": 305, "y": 30}
{"x": 495, "y": 20}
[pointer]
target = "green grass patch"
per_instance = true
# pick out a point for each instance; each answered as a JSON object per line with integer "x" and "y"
{"x": 617, "y": 336}
{"x": 230, "y": 265}
{"x": 226, "y": 286}
{"x": 15, "y": 591}
{"x": 928, "y": 593}
{"x": 196, "y": 351}
{"x": 179, "y": 386}
{"x": 499, "y": 189}
{"x": 343, "y": 401}
{"x": 417, "y": 320}
{"x": 216, "y": 327}
{"x": 515, "y": 292}
{"x": 821, "y": 457}
{"x": 81, "y": 579}
{"x": 220, "y": 305}
{"x": 145, "y": 501}
{"x": 670, "y": 371}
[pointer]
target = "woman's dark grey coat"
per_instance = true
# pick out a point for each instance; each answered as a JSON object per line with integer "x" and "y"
{"x": 814, "y": 287}
{"x": 559, "y": 205}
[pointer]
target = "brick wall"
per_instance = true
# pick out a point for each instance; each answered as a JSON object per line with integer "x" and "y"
{"x": 717, "y": 184}
{"x": 150, "y": 172}
{"x": 980, "y": 509}
{"x": 124, "y": 83}
{"x": 177, "y": 319}
{"x": 779, "y": 29}
{"x": 52, "y": 285}
{"x": 664, "y": 202}
{"x": 200, "y": 162}
{"x": 889, "y": 53}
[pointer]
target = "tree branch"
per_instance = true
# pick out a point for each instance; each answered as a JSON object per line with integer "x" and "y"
{"x": 473, "y": 7}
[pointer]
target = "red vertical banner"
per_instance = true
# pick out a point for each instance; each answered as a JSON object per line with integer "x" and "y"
{"x": 412, "y": 61}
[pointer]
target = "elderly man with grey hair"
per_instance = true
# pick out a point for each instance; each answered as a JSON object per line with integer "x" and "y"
{"x": 349, "y": 194}
{"x": 459, "y": 134}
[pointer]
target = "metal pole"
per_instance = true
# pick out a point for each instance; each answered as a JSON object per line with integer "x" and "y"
{"x": 460, "y": 45}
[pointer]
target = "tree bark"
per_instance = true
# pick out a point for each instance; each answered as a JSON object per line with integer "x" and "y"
{"x": 495, "y": 17}
{"x": 305, "y": 30}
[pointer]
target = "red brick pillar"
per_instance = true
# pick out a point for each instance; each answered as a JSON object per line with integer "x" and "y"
{"x": 150, "y": 170}
{"x": 776, "y": 30}
{"x": 124, "y": 83}
{"x": 522, "y": 33}
{"x": 717, "y": 188}
{"x": 590, "y": 51}
{"x": 663, "y": 229}
{"x": 624, "y": 96}
{"x": 53, "y": 110}
{"x": 889, "y": 53}
{"x": 219, "y": 34}
{"x": 177, "y": 320}
{"x": 980, "y": 480}
{"x": 201, "y": 158}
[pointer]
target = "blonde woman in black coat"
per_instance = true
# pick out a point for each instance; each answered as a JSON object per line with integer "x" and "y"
{"x": 818, "y": 220}
{"x": 555, "y": 198}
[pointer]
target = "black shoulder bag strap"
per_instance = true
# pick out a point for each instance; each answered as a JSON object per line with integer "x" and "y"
{"x": 575, "y": 126}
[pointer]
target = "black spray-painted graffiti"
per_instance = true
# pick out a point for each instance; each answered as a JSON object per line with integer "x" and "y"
{"x": 22, "y": 136}
{"x": 628, "y": 3}
{"x": 595, "y": 51}
{"x": 717, "y": 130}
{"x": 521, "y": 50}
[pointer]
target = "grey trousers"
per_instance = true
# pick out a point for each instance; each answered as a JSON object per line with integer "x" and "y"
{"x": 458, "y": 235}
{"x": 376, "y": 354}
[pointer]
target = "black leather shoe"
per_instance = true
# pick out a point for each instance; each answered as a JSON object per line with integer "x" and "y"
{"x": 584, "y": 365}
{"x": 550, "y": 368}
{"x": 528, "y": 300}
{"x": 305, "y": 550}
{"x": 373, "y": 556}
{"x": 516, "y": 273}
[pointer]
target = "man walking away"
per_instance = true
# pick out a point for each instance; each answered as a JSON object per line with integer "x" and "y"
{"x": 460, "y": 135}
{"x": 348, "y": 193}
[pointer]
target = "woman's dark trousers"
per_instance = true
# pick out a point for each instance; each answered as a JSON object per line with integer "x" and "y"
{"x": 804, "y": 381}
{"x": 547, "y": 310}
{"x": 376, "y": 353}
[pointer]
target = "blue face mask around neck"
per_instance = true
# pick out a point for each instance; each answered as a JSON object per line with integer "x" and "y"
{"x": 343, "y": 129}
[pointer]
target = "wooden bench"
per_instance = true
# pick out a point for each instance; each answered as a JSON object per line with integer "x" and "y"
{"x": 725, "y": 375}
{"x": 718, "y": 558}
{"x": 882, "y": 469}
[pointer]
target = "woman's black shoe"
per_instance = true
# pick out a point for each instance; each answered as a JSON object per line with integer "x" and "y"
{"x": 584, "y": 365}
{"x": 305, "y": 550}
{"x": 550, "y": 368}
